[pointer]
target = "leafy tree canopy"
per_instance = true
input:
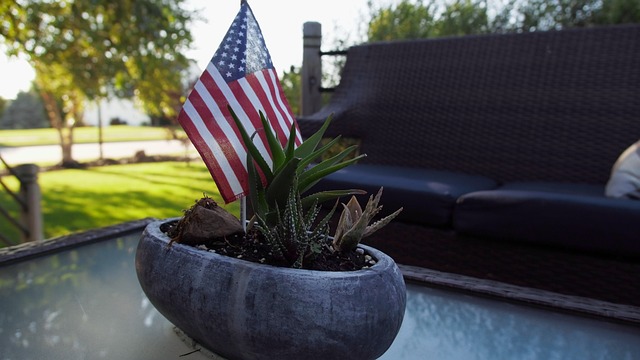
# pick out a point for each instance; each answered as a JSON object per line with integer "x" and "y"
{"x": 415, "y": 19}
{"x": 89, "y": 49}
{"x": 25, "y": 112}
{"x": 100, "y": 47}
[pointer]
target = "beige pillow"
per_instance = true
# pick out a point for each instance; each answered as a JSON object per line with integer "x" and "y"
{"x": 625, "y": 175}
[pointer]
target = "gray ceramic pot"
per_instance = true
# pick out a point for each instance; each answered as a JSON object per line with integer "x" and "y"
{"x": 244, "y": 310}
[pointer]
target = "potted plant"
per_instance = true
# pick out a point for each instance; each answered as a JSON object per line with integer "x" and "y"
{"x": 266, "y": 293}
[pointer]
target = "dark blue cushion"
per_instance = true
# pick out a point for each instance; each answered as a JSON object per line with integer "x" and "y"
{"x": 427, "y": 196}
{"x": 576, "y": 216}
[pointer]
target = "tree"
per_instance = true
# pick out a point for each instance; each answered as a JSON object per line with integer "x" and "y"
{"x": 85, "y": 50}
{"x": 290, "y": 82}
{"x": 619, "y": 12}
{"x": 3, "y": 105}
{"x": 463, "y": 17}
{"x": 25, "y": 112}
{"x": 415, "y": 20}
{"x": 406, "y": 21}
{"x": 541, "y": 15}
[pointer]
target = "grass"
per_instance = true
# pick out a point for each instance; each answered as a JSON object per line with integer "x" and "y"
{"x": 76, "y": 200}
{"x": 49, "y": 136}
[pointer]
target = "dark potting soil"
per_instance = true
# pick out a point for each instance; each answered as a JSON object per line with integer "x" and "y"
{"x": 252, "y": 247}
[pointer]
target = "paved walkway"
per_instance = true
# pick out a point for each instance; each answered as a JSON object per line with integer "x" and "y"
{"x": 87, "y": 152}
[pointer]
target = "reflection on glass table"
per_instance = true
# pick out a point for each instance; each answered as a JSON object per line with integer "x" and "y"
{"x": 86, "y": 303}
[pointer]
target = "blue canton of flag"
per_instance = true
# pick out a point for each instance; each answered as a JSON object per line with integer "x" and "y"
{"x": 243, "y": 50}
{"x": 240, "y": 75}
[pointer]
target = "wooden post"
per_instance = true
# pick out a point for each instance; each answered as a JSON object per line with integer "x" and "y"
{"x": 311, "y": 77}
{"x": 30, "y": 193}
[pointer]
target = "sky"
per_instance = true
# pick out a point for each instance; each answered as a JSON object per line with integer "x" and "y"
{"x": 281, "y": 23}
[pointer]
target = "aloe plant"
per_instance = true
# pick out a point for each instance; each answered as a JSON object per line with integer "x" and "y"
{"x": 284, "y": 217}
{"x": 296, "y": 239}
{"x": 296, "y": 169}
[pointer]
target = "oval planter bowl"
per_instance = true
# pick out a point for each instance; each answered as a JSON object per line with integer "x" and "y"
{"x": 244, "y": 310}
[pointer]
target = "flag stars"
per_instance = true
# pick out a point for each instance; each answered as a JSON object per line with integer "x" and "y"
{"x": 243, "y": 49}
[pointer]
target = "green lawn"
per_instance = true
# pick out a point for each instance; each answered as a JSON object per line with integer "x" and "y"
{"x": 83, "y": 135}
{"x": 76, "y": 200}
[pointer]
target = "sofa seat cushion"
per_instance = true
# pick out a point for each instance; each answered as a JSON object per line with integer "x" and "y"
{"x": 575, "y": 216}
{"x": 427, "y": 196}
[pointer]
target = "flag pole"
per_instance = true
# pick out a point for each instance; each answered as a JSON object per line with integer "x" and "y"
{"x": 243, "y": 212}
{"x": 243, "y": 200}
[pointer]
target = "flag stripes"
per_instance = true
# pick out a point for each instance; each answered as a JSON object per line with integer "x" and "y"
{"x": 240, "y": 76}
{"x": 259, "y": 91}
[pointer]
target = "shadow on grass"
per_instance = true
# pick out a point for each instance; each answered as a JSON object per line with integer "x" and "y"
{"x": 77, "y": 200}
{"x": 180, "y": 177}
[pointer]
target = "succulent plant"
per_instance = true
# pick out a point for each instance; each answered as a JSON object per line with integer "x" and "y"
{"x": 354, "y": 223}
{"x": 292, "y": 168}
{"x": 285, "y": 217}
{"x": 295, "y": 239}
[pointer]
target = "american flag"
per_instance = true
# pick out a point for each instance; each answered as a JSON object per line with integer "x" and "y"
{"x": 242, "y": 76}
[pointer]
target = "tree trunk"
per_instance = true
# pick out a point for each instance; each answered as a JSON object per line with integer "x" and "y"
{"x": 57, "y": 122}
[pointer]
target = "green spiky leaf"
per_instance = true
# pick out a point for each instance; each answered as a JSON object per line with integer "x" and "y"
{"x": 275, "y": 147}
{"x": 323, "y": 196}
{"x": 311, "y": 143}
{"x": 317, "y": 173}
{"x": 251, "y": 148}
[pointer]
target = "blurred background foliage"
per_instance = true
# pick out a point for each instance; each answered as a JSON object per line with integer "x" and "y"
{"x": 84, "y": 51}
{"x": 88, "y": 50}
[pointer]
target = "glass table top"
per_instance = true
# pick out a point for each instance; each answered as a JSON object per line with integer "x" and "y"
{"x": 85, "y": 303}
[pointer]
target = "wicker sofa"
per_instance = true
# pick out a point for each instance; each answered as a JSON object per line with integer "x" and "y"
{"x": 499, "y": 148}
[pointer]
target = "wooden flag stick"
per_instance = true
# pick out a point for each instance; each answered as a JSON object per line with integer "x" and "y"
{"x": 243, "y": 212}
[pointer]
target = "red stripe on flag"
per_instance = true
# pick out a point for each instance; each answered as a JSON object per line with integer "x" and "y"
{"x": 220, "y": 100}
{"x": 292, "y": 118}
{"x": 221, "y": 103}
{"x": 267, "y": 108}
{"x": 207, "y": 156}
{"x": 212, "y": 124}
{"x": 251, "y": 111}
{"x": 279, "y": 102}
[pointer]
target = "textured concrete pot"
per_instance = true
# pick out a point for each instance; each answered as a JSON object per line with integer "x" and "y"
{"x": 243, "y": 310}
